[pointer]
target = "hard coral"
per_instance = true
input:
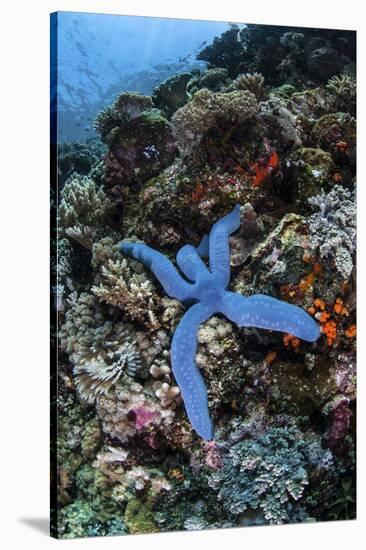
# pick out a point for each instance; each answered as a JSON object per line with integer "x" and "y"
{"x": 344, "y": 88}
{"x": 269, "y": 474}
{"x": 84, "y": 204}
{"x": 125, "y": 285}
{"x": 210, "y": 111}
{"x": 140, "y": 149}
{"x": 253, "y": 82}
{"x": 213, "y": 79}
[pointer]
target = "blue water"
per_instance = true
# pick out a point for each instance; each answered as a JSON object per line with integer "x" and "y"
{"x": 99, "y": 56}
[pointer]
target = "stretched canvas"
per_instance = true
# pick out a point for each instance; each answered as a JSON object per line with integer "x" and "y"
{"x": 203, "y": 232}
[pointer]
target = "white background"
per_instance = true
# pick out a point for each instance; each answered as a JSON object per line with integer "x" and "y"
{"x": 24, "y": 181}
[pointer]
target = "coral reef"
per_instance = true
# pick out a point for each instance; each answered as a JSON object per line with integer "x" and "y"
{"x": 282, "y": 54}
{"x": 251, "y": 329}
{"x": 128, "y": 288}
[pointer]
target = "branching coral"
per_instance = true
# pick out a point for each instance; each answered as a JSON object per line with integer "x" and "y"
{"x": 333, "y": 228}
{"x": 84, "y": 208}
{"x": 253, "y": 82}
{"x": 103, "y": 250}
{"x": 163, "y": 388}
{"x": 344, "y": 87}
{"x": 125, "y": 285}
{"x": 152, "y": 345}
{"x": 211, "y": 111}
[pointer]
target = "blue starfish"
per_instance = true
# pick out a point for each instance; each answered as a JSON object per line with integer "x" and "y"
{"x": 207, "y": 295}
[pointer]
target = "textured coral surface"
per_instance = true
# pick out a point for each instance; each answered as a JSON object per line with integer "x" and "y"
{"x": 270, "y": 126}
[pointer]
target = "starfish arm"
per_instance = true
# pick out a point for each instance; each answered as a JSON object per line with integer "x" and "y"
{"x": 202, "y": 248}
{"x": 173, "y": 284}
{"x": 186, "y": 373}
{"x": 266, "y": 312}
{"x": 190, "y": 263}
{"x": 219, "y": 245}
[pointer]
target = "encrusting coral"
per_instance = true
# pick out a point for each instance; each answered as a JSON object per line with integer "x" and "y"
{"x": 128, "y": 410}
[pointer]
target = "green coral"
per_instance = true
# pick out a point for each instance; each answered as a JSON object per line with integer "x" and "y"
{"x": 213, "y": 79}
{"x": 79, "y": 519}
